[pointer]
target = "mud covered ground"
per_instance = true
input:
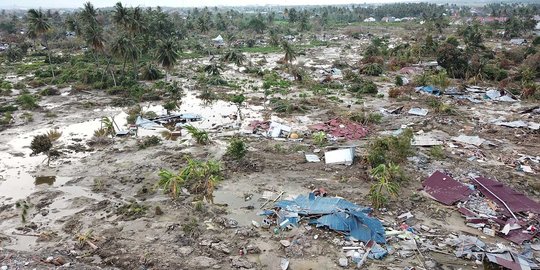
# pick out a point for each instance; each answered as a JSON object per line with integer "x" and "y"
{"x": 97, "y": 207}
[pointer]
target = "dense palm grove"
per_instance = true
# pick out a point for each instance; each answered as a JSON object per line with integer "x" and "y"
{"x": 112, "y": 48}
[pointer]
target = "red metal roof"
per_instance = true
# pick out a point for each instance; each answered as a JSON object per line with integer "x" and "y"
{"x": 445, "y": 189}
{"x": 517, "y": 202}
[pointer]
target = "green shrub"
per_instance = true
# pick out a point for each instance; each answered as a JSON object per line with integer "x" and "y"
{"x": 7, "y": 108}
{"x": 390, "y": 149}
{"x": 27, "y": 101}
{"x": 200, "y": 136}
{"x": 237, "y": 148}
{"x": 364, "y": 117}
{"x": 149, "y": 141}
{"x": 372, "y": 69}
{"x": 399, "y": 81}
{"x": 437, "y": 152}
{"x": 49, "y": 91}
{"x": 387, "y": 185}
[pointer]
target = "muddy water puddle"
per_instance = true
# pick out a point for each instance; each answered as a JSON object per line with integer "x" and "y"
{"x": 23, "y": 173}
{"x": 244, "y": 201}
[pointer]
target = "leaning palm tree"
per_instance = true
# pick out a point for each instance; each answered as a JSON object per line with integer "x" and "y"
{"x": 167, "y": 55}
{"x": 38, "y": 25}
{"x": 290, "y": 54}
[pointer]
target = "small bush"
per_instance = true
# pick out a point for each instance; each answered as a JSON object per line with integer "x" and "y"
{"x": 440, "y": 107}
{"x": 399, "y": 81}
{"x": 27, "y": 101}
{"x": 319, "y": 138}
{"x": 437, "y": 152}
{"x": 390, "y": 149}
{"x": 237, "y": 148}
{"x": 394, "y": 92}
{"x": 388, "y": 177}
{"x": 8, "y": 108}
{"x": 364, "y": 87}
{"x": 200, "y": 136}
{"x": 365, "y": 118}
{"x": 49, "y": 91}
{"x": 372, "y": 69}
{"x": 149, "y": 142}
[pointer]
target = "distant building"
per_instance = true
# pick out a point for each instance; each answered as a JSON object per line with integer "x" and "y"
{"x": 370, "y": 19}
{"x": 218, "y": 41}
{"x": 388, "y": 19}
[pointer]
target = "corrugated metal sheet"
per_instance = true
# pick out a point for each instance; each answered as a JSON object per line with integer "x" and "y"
{"x": 516, "y": 201}
{"x": 337, "y": 214}
{"x": 445, "y": 189}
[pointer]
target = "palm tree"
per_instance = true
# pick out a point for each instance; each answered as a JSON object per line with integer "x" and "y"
{"x": 136, "y": 21}
{"x": 89, "y": 13}
{"x": 95, "y": 39}
{"x": 38, "y": 25}
{"x": 167, "y": 55}
{"x": 234, "y": 56}
{"x": 125, "y": 49}
{"x": 213, "y": 69}
{"x": 121, "y": 15}
{"x": 290, "y": 54}
{"x": 203, "y": 23}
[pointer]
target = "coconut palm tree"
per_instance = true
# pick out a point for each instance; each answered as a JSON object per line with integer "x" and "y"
{"x": 94, "y": 38}
{"x": 235, "y": 57}
{"x": 38, "y": 25}
{"x": 121, "y": 15}
{"x": 290, "y": 54}
{"x": 167, "y": 55}
{"x": 89, "y": 13}
{"x": 124, "y": 48}
{"x": 213, "y": 69}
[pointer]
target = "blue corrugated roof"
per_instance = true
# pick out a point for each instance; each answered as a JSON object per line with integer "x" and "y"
{"x": 337, "y": 214}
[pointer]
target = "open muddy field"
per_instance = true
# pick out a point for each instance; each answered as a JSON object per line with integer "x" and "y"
{"x": 97, "y": 204}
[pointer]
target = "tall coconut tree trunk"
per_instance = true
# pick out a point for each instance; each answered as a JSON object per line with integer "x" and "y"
{"x": 124, "y": 68}
{"x": 107, "y": 70}
{"x": 49, "y": 55}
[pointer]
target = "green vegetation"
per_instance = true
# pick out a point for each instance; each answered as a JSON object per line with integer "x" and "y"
{"x": 320, "y": 138}
{"x": 27, "y": 101}
{"x": 365, "y": 117}
{"x": 437, "y": 152}
{"x": 197, "y": 176}
{"x": 237, "y": 148}
{"x": 200, "y": 136}
{"x": 149, "y": 141}
{"x": 390, "y": 149}
{"x": 387, "y": 185}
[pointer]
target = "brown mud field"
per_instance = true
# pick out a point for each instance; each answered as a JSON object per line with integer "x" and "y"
{"x": 97, "y": 206}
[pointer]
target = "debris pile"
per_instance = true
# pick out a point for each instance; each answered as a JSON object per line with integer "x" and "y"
{"x": 340, "y": 128}
{"x": 334, "y": 213}
{"x": 488, "y": 205}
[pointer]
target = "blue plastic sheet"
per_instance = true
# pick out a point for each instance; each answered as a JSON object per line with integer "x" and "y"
{"x": 337, "y": 214}
{"x": 430, "y": 89}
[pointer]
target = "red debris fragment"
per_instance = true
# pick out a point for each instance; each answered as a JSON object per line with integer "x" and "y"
{"x": 499, "y": 193}
{"x": 342, "y": 129}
